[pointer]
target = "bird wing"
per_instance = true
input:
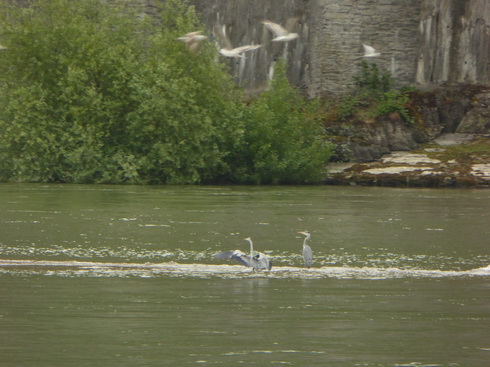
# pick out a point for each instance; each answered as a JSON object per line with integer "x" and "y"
{"x": 245, "y": 48}
{"x": 277, "y": 29}
{"x": 229, "y": 53}
{"x": 267, "y": 264}
{"x": 192, "y": 34}
{"x": 369, "y": 49}
{"x": 236, "y": 255}
{"x": 189, "y": 36}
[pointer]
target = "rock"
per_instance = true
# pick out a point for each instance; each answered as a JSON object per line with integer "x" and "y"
{"x": 481, "y": 171}
{"x": 405, "y": 169}
{"x": 398, "y": 135}
{"x": 453, "y": 42}
{"x": 453, "y": 139}
{"x": 451, "y": 109}
{"x": 409, "y": 158}
{"x": 391, "y": 170}
{"x": 366, "y": 152}
{"x": 385, "y": 136}
{"x": 477, "y": 120}
{"x": 438, "y": 114}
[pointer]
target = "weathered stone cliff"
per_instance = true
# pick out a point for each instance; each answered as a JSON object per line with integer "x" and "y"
{"x": 448, "y": 109}
{"x": 454, "y": 42}
{"x": 238, "y": 22}
{"x": 421, "y": 41}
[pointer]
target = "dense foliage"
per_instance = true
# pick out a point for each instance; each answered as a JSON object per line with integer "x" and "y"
{"x": 96, "y": 92}
{"x": 376, "y": 91}
{"x": 283, "y": 138}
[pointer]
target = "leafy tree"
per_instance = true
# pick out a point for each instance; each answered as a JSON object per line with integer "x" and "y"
{"x": 94, "y": 92}
{"x": 283, "y": 140}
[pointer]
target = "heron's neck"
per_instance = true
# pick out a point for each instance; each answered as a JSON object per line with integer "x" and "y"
{"x": 251, "y": 248}
{"x": 305, "y": 240}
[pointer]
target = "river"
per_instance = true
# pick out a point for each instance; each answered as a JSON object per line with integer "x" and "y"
{"x": 125, "y": 276}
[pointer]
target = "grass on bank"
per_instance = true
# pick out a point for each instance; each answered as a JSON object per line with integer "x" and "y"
{"x": 476, "y": 151}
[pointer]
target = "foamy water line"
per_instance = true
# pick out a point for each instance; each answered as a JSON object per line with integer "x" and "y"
{"x": 174, "y": 269}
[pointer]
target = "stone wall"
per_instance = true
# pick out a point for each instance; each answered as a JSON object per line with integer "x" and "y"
{"x": 324, "y": 59}
{"x": 421, "y": 41}
{"x": 235, "y": 23}
{"x": 339, "y": 28}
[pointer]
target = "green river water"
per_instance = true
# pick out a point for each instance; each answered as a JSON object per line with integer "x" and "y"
{"x": 125, "y": 276}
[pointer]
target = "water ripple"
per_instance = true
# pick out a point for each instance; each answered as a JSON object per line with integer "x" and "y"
{"x": 150, "y": 252}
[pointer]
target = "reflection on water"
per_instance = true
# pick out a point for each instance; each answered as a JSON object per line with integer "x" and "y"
{"x": 125, "y": 276}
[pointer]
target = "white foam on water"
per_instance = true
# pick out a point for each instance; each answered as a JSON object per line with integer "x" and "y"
{"x": 174, "y": 269}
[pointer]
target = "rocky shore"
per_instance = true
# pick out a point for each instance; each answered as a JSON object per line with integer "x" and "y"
{"x": 418, "y": 168}
{"x": 448, "y": 146}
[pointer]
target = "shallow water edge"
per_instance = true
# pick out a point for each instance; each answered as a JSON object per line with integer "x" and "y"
{"x": 174, "y": 269}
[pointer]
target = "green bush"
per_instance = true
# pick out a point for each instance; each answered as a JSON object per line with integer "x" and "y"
{"x": 393, "y": 101}
{"x": 94, "y": 92}
{"x": 377, "y": 94}
{"x": 283, "y": 140}
{"x": 371, "y": 82}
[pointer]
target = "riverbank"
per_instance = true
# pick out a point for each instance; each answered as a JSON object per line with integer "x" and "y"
{"x": 451, "y": 160}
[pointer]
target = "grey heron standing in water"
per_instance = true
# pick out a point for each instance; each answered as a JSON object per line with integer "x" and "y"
{"x": 257, "y": 260}
{"x": 307, "y": 253}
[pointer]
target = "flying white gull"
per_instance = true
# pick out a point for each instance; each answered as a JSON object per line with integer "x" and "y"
{"x": 193, "y": 41}
{"x": 237, "y": 52}
{"x": 281, "y": 33}
{"x": 225, "y": 46}
{"x": 370, "y": 51}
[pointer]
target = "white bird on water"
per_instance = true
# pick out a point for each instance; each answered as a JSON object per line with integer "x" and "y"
{"x": 281, "y": 33}
{"x": 370, "y": 51}
{"x": 238, "y": 52}
{"x": 257, "y": 261}
{"x": 307, "y": 252}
